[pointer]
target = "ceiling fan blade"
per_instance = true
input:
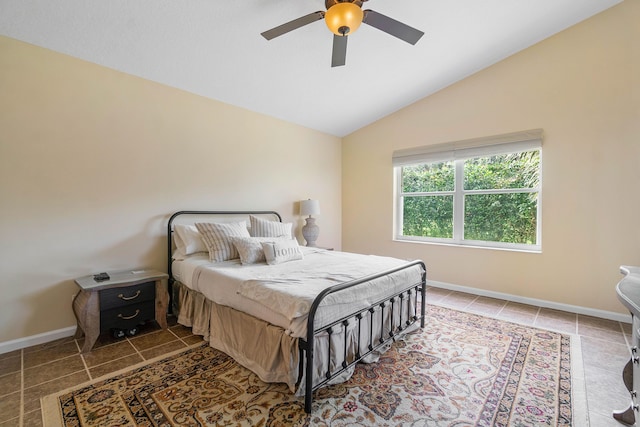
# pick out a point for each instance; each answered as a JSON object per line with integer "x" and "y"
{"x": 339, "y": 54}
{"x": 391, "y": 26}
{"x": 293, "y": 25}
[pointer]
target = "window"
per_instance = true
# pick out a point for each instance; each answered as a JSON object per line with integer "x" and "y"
{"x": 481, "y": 192}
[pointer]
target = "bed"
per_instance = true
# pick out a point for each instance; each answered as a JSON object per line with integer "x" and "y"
{"x": 292, "y": 314}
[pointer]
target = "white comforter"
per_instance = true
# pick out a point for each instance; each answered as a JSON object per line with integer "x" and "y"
{"x": 288, "y": 289}
{"x": 291, "y": 288}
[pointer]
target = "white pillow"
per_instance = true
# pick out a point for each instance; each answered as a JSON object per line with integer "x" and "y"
{"x": 217, "y": 238}
{"x": 250, "y": 248}
{"x": 188, "y": 241}
{"x": 282, "y": 251}
{"x": 261, "y": 227}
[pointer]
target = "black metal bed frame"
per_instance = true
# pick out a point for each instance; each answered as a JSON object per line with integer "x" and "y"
{"x": 394, "y": 326}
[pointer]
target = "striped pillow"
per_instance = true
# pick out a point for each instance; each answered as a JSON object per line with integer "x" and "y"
{"x": 264, "y": 228}
{"x": 217, "y": 238}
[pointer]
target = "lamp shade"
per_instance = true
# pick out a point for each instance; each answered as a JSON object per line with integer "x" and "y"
{"x": 344, "y": 18}
{"x": 309, "y": 207}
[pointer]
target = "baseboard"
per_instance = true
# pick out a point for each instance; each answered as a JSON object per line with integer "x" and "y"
{"x": 618, "y": 317}
{"x": 17, "y": 344}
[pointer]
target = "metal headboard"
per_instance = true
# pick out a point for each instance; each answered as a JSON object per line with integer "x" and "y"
{"x": 204, "y": 217}
{"x": 204, "y": 213}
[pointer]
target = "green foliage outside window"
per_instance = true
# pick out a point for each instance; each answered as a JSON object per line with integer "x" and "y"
{"x": 516, "y": 170}
{"x": 427, "y": 177}
{"x": 494, "y": 209}
{"x": 430, "y": 216}
{"x": 507, "y": 218}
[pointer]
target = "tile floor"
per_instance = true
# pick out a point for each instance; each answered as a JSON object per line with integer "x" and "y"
{"x": 30, "y": 373}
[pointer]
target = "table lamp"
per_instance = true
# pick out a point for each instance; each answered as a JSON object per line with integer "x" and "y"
{"x": 310, "y": 230}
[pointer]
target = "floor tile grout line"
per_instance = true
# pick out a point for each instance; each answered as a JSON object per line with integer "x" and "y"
{"x": 624, "y": 335}
{"x": 84, "y": 362}
{"x": 179, "y": 338}
{"x": 51, "y": 361}
{"x": 504, "y": 304}
{"x": 113, "y": 360}
{"x": 136, "y": 348}
{"x": 535, "y": 318}
{"x": 442, "y": 296}
{"x": 466, "y": 307}
{"x": 49, "y": 381}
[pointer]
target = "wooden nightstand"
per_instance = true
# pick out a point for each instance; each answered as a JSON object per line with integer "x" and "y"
{"x": 127, "y": 299}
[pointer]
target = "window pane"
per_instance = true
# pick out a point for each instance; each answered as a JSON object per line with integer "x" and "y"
{"x": 516, "y": 170}
{"x": 428, "y": 216}
{"x": 507, "y": 218}
{"x": 428, "y": 177}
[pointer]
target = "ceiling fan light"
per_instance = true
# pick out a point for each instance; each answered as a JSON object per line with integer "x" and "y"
{"x": 344, "y": 18}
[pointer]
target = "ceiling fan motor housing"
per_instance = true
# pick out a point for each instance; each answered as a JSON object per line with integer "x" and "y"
{"x": 343, "y": 17}
{"x": 329, "y": 3}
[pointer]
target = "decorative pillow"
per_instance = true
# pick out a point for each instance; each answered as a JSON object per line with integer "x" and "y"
{"x": 217, "y": 238}
{"x": 261, "y": 227}
{"x": 282, "y": 251}
{"x": 188, "y": 241}
{"x": 250, "y": 248}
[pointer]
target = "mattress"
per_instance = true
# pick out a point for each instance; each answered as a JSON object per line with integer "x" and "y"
{"x": 280, "y": 293}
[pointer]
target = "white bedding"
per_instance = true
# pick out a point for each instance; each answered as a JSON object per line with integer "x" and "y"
{"x": 224, "y": 292}
{"x": 282, "y": 294}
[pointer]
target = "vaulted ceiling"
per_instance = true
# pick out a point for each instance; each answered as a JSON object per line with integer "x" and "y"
{"x": 214, "y": 48}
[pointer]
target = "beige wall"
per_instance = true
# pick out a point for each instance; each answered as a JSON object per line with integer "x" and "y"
{"x": 93, "y": 162}
{"x": 582, "y": 87}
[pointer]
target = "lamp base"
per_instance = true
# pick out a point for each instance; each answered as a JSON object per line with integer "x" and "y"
{"x": 310, "y": 231}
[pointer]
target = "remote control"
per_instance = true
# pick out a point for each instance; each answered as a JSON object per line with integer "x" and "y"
{"x": 101, "y": 277}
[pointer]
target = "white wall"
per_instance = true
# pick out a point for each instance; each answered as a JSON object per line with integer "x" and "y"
{"x": 93, "y": 162}
{"x": 582, "y": 87}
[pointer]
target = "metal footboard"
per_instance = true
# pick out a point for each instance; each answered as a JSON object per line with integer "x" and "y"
{"x": 405, "y": 318}
{"x": 394, "y": 326}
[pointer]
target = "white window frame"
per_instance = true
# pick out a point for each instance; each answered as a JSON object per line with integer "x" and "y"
{"x": 458, "y": 152}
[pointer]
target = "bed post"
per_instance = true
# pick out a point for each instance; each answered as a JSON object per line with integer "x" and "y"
{"x": 308, "y": 385}
{"x": 169, "y": 255}
{"x": 423, "y": 296}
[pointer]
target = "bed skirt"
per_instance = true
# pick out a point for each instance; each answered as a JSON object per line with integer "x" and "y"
{"x": 257, "y": 345}
{"x": 265, "y": 349}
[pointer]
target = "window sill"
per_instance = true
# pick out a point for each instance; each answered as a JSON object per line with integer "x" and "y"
{"x": 534, "y": 250}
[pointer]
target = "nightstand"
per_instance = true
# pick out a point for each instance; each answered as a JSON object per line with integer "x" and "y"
{"x": 127, "y": 299}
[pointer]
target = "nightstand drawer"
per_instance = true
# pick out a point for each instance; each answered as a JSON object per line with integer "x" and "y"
{"x": 120, "y": 297}
{"x": 127, "y": 316}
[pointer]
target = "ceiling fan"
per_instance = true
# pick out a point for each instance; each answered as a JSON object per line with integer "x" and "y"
{"x": 343, "y": 17}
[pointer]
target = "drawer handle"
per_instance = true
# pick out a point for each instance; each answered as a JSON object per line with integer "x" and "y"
{"x": 122, "y": 297}
{"x": 129, "y": 317}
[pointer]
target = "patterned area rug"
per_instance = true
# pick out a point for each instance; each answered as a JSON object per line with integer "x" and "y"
{"x": 460, "y": 370}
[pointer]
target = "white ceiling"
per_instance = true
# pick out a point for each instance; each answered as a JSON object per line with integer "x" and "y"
{"x": 213, "y": 48}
